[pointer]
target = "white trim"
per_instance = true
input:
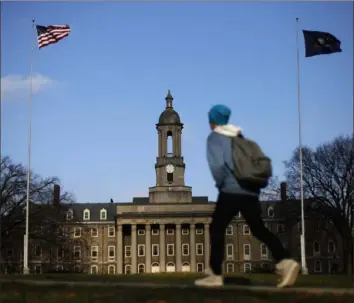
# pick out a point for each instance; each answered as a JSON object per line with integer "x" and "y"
{"x": 35, "y": 251}
{"x": 230, "y": 267}
{"x": 229, "y": 256}
{"x": 185, "y": 245}
{"x": 316, "y": 253}
{"x": 185, "y": 231}
{"x": 86, "y": 217}
{"x": 143, "y": 266}
{"x": 110, "y": 228}
{"x": 109, "y": 250}
{"x": 69, "y": 215}
{"x": 126, "y": 267}
{"x": 170, "y": 231}
{"x": 246, "y": 230}
{"x": 94, "y": 235}
{"x": 247, "y": 267}
{"x": 314, "y": 266}
{"x": 141, "y": 232}
{"x": 157, "y": 249}
{"x": 79, "y": 232}
{"x": 264, "y": 256}
{"x": 334, "y": 247}
{"x": 199, "y": 231}
{"x": 202, "y": 249}
{"x": 77, "y": 249}
{"x": 201, "y": 265}
{"x": 94, "y": 249}
{"x": 127, "y": 251}
{"x": 173, "y": 249}
{"x": 103, "y": 211}
{"x": 91, "y": 271}
{"x": 271, "y": 208}
{"x": 229, "y": 230}
{"x": 141, "y": 246}
{"x": 247, "y": 256}
{"x": 154, "y": 231}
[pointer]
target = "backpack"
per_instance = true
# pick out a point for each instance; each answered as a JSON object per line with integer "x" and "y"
{"x": 252, "y": 168}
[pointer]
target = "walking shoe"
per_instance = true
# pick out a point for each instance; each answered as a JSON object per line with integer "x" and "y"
{"x": 288, "y": 270}
{"x": 210, "y": 281}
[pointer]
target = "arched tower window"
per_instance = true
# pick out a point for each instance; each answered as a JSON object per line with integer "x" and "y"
{"x": 169, "y": 144}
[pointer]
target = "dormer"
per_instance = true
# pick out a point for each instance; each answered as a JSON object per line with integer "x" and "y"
{"x": 270, "y": 212}
{"x": 69, "y": 214}
{"x": 86, "y": 215}
{"x": 103, "y": 214}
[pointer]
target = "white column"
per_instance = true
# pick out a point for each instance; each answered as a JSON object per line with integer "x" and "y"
{"x": 133, "y": 248}
{"x": 206, "y": 246}
{"x": 148, "y": 248}
{"x": 192, "y": 247}
{"x": 162, "y": 248}
{"x": 120, "y": 249}
{"x": 178, "y": 248}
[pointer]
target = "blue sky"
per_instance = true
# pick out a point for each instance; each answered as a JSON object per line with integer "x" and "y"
{"x": 99, "y": 92}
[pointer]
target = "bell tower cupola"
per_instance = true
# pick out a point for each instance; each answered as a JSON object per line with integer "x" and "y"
{"x": 170, "y": 166}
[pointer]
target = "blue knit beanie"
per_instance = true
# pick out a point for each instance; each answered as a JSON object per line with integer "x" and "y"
{"x": 219, "y": 114}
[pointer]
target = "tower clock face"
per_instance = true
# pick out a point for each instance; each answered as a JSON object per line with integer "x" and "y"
{"x": 170, "y": 168}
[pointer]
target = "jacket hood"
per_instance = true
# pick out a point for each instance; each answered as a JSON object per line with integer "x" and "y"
{"x": 228, "y": 130}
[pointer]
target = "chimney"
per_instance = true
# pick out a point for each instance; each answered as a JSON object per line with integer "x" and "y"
{"x": 56, "y": 195}
{"x": 283, "y": 194}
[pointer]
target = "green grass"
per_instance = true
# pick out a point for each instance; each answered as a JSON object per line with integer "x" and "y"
{"x": 13, "y": 292}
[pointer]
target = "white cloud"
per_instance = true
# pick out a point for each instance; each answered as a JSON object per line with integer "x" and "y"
{"x": 18, "y": 86}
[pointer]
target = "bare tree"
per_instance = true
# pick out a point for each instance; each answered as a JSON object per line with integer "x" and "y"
{"x": 45, "y": 218}
{"x": 327, "y": 182}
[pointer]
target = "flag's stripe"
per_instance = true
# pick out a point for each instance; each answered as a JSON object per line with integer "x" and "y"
{"x": 51, "y": 34}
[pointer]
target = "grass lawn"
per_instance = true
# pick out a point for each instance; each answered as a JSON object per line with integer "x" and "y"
{"x": 10, "y": 291}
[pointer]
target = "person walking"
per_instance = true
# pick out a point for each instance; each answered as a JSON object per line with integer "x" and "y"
{"x": 234, "y": 198}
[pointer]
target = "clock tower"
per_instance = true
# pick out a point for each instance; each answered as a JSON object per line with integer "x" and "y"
{"x": 170, "y": 167}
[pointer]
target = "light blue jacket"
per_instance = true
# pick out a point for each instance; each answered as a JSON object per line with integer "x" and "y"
{"x": 219, "y": 156}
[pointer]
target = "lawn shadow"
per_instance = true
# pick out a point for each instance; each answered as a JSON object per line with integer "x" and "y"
{"x": 237, "y": 281}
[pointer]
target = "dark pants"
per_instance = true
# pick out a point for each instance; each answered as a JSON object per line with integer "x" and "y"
{"x": 227, "y": 206}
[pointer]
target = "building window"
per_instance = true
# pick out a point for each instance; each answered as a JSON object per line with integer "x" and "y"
{"x": 155, "y": 250}
{"x": 127, "y": 269}
{"x": 111, "y": 252}
{"x": 185, "y": 249}
{"x": 94, "y": 252}
{"x": 270, "y": 212}
{"x": 199, "y": 249}
{"x": 230, "y": 268}
{"x": 77, "y": 268}
{"x": 69, "y": 215}
{"x": 77, "y": 232}
{"x": 280, "y": 228}
{"x": 38, "y": 251}
{"x": 141, "y": 268}
{"x": 77, "y": 252}
{"x": 246, "y": 230}
{"x": 316, "y": 248}
{"x": 200, "y": 267}
{"x": 38, "y": 269}
{"x": 247, "y": 251}
{"x": 154, "y": 231}
{"x": 111, "y": 269}
{"x": 169, "y": 177}
{"x": 141, "y": 250}
{"x": 199, "y": 231}
{"x": 111, "y": 232}
{"x": 60, "y": 268}
{"x": 170, "y": 249}
{"x": 229, "y": 230}
{"x": 94, "y": 232}
{"x": 94, "y": 269}
{"x": 331, "y": 247}
{"x": 229, "y": 251}
{"x": 185, "y": 231}
{"x": 60, "y": 254}
{"x": 86, "y": 214}
{"x": 103, "y": 214}
{"x": 247, "y": 267}
{"x": 128, "y": 251}
{"x": 141, "y": 232}
{"x": 318, "y": 266}
{"x": 169, "y": 231}
{"x": 264, "y": 252}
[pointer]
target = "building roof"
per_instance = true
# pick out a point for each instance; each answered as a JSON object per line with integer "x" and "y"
{"x": 169, "y": 115}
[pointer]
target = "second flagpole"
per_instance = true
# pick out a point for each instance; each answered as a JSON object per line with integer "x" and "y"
{"x": 26, "y": 269}
{"x": 302, "y": 237}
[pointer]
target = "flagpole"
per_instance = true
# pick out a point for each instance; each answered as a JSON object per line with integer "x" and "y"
{"x": 302, "y": 237}
{"x": 25, "y": 244}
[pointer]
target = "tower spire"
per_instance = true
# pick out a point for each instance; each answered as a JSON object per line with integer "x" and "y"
{"x": 169, "y": 100}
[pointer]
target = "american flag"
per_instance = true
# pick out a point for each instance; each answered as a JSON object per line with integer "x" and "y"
{"x": 51, "y": 34}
